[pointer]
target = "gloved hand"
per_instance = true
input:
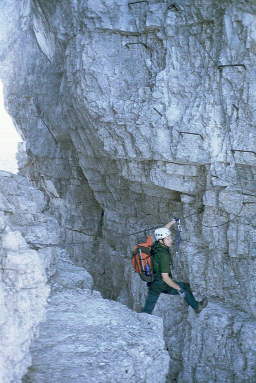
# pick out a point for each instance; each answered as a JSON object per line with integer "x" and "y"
{"x": 176, "y": 219}
{"x": 182, "y": 293}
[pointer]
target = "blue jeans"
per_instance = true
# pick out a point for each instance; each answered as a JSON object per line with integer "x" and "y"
{"x": 157, "y": 287}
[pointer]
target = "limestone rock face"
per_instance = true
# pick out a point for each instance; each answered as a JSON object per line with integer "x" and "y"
{"x": 82, "y": 337}
{"x": 23, "y": 283}
{"x": 134, "y": 112}
{"x": 86, "y": 338}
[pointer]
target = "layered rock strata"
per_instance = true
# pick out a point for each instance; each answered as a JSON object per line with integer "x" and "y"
{"x": 82, "y": 337}
{"x": 133, "y": 112}
{"x": 86, "y": 338}
{"x": 28, "y": 242}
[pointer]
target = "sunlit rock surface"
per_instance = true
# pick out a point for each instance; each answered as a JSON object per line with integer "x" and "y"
{"x": 135, "y": 112}
{"x": 9, "y": 139}
{"x": 86, "y": 338}
{"x": 23, "y": 283}
{"x": 82, "y": 336}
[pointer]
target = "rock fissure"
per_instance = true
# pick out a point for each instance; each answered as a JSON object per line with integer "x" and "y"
{"x": 133, "y": 113}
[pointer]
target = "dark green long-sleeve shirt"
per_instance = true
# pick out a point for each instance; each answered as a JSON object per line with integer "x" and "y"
{"x": 161, "y": 259}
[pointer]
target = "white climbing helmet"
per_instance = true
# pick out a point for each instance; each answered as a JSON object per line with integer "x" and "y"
{"x": 161, "y": 233}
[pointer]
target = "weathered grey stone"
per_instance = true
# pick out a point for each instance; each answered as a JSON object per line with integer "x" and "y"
{"x": 5, "y": 174}
{"x": 218, "y": 346}
{"x": 43, "y": 232}
{"x": 110, "y": 341}
{"x": 23, "y": 293}
{"x": 13, "y": 240}
{"x": 133, "y": 113}
{"x": 69, "y": 276}
{"x": 4, "y": 204}
{"x": 23, "y": 287}
{"x": 3, "y": 223}
{"x": 49, "y": 257}
{"x": 87, "y": 338}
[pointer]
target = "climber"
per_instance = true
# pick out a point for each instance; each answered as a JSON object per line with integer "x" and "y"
{"x": 163, "y": 282}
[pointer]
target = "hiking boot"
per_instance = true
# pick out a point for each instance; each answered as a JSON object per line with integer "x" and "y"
{"x": 201, "y": 305}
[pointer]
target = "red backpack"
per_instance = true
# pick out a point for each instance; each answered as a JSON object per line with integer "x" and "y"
{"x": 142, "y": 260}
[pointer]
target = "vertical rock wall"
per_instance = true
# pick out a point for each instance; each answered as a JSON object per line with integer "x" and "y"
{"x": 27, "y": 255}
{"x": 81, "y": 337}
{"x": 133, "y": 112}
